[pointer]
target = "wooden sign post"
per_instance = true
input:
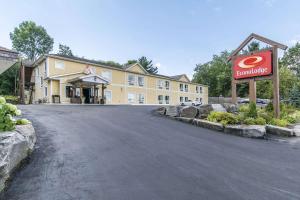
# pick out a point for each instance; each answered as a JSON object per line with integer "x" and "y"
{"x": 260, "y": 65}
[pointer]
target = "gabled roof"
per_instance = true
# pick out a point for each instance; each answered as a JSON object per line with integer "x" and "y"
{"x": 259, "y": 38}
{"x": 127, "y": 67}
{"x": 178, "y": 77}
{"x": 8, "y": 50}
{"x": 91, "y": 78}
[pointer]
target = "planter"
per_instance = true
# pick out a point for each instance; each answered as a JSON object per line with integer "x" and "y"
{"x": 208, "y": 124}
{"x": 279, "y": 131}
{"x": 251, "y": 131}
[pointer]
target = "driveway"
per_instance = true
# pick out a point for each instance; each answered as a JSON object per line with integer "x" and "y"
{"x": 127, "y": 153}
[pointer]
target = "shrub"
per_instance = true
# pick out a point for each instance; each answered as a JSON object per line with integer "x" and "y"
{"x": 249, "y": 121}
{"x": 269, "y": 107}
{"x": 7, "y": 112}
{"x": 265, "y": 115}
{"x": 260, "y": 121}
{"x": 22, "y": 122}
{"x": 244, "y": 108}
{"x": 279, "y": 122}
{"x": 252, "y": 110}
{"x": 223, "y": 118}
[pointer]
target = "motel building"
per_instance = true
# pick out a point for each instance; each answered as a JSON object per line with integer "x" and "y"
{"x": 64, "y": 79}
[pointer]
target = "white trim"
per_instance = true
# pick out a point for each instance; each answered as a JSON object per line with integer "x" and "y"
{"x": 132, "y": 65}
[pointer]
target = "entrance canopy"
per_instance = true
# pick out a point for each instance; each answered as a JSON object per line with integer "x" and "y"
{"x": 89, "y": 80}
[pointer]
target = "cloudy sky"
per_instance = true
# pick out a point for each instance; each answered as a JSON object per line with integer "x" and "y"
{"x": 175, "y": 34}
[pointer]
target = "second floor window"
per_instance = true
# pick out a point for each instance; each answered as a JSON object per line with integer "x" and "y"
{"x": 181, "y": 99}
{"x": 131, "y": 79}
{"x": 46, "y": 68}
{"x": 141, "y": 81}
{"x": 167, "y": 85}
{"x": 107, "y": 75}
{"x": 186, "y": 88}
{"x": 198, "y": 89}
{"x": 181, "y": 87}
{"x": 160, "y": 84}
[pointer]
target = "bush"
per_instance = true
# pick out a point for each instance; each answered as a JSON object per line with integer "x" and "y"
{"x": 11, "y": 99}
{"x": 252, "y": 110}
{"x": 22, "y": 122}
{"x": 223, "y": 118}
{"x": 7, "y": 112}
{"x": 244, "y": 108}
{"x": 249, "y": 121}
{"x": 265, "y": 115}
{"x": 279, "y": 122}
{"x": 269, "y": 107}
{"x": 260, "y": 121}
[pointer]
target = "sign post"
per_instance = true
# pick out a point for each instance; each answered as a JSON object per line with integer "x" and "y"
{"x": 260, "y": 65}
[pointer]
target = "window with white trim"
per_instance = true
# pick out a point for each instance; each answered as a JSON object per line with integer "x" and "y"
{"x": 167, "y": 85}
{"x": 198, "y": 89}
{"x": 141, "y": 98}
{"x": 197, "y": 99}
{"x": 131, "y": 79}
{"x": 59, "y": 64}
{"x": 160, "y": 84}
{"x": 108, "y": 96}
{"x": 167, "y": 100}
{"x": 77, "y": 92}
{"x": 186, "y": 88}
{"x": 186, "y": 99}
{"x": 141, "y": 81}
{"x": 107, "y": 75}
{"x": 46, "y": 68}
{"x": 181, "y": 99}
{"x": 160, "y": 99}
{"x": 41, "y": 81}
{"x": 181, "y": 87}
{"x": 131, "y": 98}
{"x": 46, "y": 91}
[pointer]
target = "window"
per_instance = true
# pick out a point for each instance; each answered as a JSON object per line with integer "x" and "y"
{"x": 131, "y": 98}
{"x": 141, "y": 98}
{"x": 46, "y": 68}
{"x": 181, "y": 99}
{"x": 160, "y": 84}
{"x": 200, "y": 89}
{"x": 167, "y": 99}
{"x": 141, "y": 81}
{"x": 69, "y": 91}
{"x": 181, "y": 87}
{"x": 46, "y": 91}
{"x": 41, "y": 81}
{"x": 167, "y": 85}
{"x": 59, "y": 64}
{"x": 107, "y": 75}
{"x": 197, "y": 89}
{"x": 160, "y": 99}
{"x": 186, "y": 88}
{"x": 200, "y": 99}
{"x": 36, "y": 75}
{"x": 108, "y": 95}
{"x": 186, "y": 99}
{"x": 131, "y": 79}
{"x": 197, "y": 99}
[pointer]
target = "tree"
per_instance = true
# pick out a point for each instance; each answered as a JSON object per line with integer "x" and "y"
{"x": 31, "y": 40}
{"x": 291, "y": 59}
{"x": 147, "y": 65}
{"x": 216, "y": 74}
{"x": 64, "y": 50}
{"x": 130, "y": 62}
{"x": 9, "y": 80}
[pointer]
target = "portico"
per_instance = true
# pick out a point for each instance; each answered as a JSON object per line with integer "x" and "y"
{"x": 85, "y": 89}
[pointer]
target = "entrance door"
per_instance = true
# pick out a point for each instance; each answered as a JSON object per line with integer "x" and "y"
{"x": 86, "y": 92}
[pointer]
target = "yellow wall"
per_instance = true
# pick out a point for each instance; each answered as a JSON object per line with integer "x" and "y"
{"x": 59, "y": 75}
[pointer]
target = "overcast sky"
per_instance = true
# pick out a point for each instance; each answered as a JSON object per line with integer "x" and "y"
{"x": 175, "y": 34}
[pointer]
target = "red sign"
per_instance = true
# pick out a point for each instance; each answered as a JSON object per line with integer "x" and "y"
{"x": 258, "y": 64}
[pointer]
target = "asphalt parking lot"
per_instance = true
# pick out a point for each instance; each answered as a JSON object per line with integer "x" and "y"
{"x": 128, "y": 153}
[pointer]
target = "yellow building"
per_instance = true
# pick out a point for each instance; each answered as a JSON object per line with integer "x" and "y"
{"x": 65, "y": 79}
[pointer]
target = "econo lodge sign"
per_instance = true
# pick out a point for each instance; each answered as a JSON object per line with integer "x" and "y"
{"x": 257, "y": 64}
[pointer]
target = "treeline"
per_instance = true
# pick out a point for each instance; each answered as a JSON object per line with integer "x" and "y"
{"x": 217, "y": 75}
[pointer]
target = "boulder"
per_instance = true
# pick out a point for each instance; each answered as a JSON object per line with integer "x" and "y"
{"x": 279, "y": 131}
{"x": 15, "y": 146}
{"x": 161, "y": 110}
{"x": 188, "y": 111}
{"x": 296, "y": 130}
{"x": 208, "y": 124}
{"x": 251, "y": 131}
{"x": 230, "y": 107}
{"x": 173, "y": 111}
{"x": 204, "y": 110}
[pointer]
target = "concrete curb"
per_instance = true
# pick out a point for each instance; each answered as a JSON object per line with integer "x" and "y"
{"x": 15, "y": 146}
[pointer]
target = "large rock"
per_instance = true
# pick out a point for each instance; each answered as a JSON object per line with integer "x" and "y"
{"x": 280, "y": 131}
{"x": 188, "y": 111}
{"x": 208, "y": 124}
{"x": 251, "y": 131}
{"x": 173, "y": 111}
{"x": 15, "y": 146}
{"x": 204, "y": 110}
{"x": 296, "y": 130}
{"x": 230, "y": 107}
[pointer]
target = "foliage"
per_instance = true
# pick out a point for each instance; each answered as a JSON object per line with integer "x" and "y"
{"x": 31, "y": 40}
{"x": 112, "y": 63}
{"x": 130, "y": 62}
{"x": 260, "y": 121}
{"x": 216, "y": 74}
{"x": 267, "y": 116}
{"x": 291, "y": 59}
{"x": 252, "y": 110}
{"x": 7, "y": 112}
{"x": 269, "y": 107}
{"x": 279, "y": 122}
{"x": 244, "y": 108}
{"x": 64, "y": 50}
{"x": 294, "y": 97}
{"x": 11, "y": 99}
{"x": 9, "y": 80}
{"x": 22, "y": 122}
{"x": 223, "y": 118}
{"x": 147, "y": 65}
{"x": 249, "y": 121}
